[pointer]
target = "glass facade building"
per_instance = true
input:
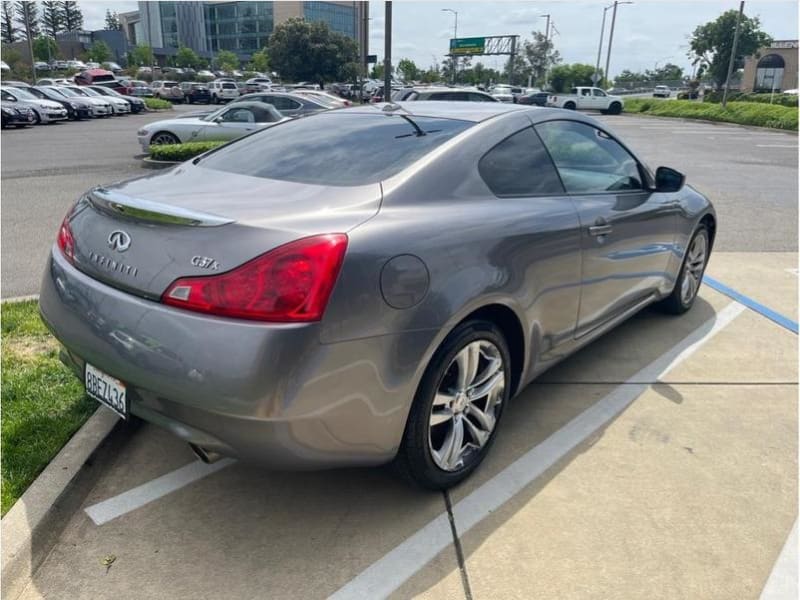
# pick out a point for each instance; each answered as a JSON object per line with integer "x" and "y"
{"x": 238, "y": 26}
{"x": 340, "y": 17}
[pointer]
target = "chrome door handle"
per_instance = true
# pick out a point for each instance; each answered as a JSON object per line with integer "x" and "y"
{"x": 600, "y": 230}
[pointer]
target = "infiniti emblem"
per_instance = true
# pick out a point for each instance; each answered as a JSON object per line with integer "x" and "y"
{"x": 119, "y": 240}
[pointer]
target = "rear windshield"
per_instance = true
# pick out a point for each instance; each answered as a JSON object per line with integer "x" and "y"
{"x": 229, "y": 86}
{"x": 170, "y": 83}
{"x": 336, "y": 149}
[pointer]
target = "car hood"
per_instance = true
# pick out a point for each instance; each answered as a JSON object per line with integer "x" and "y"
{"x": 190, "y": 122}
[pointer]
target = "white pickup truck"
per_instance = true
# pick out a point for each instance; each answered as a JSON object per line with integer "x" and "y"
{"x": 587, "y": 98}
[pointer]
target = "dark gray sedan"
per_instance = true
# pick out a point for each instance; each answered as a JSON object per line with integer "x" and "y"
{"x": 285, "y": 301}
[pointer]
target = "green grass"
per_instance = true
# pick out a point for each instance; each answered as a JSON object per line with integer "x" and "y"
{"x": 780, "y": 99}
{"x": 156, "y": 103}
{"x": 740, "y": 113}
{"x": 181, "y": 152}
{"x": 43, "y": 403}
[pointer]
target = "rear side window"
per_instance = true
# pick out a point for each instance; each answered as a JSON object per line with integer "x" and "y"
{"x": 520, "y": 166}
{"x": 319, "y": 149}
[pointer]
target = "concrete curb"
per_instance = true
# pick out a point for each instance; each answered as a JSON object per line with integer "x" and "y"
{"x": 149, "y": 163}
{"x": 33, "y": 524}
{"x": 14, "y": 299}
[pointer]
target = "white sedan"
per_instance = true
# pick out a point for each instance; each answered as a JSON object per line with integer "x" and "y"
{"x": 227, "y": 123}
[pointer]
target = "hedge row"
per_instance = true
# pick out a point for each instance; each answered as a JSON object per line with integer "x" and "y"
{"x": 741, "y": 113}
{"x": 181, "y": 152}
{"x": 157, "y": 103}
{"x": 780, "y": 99}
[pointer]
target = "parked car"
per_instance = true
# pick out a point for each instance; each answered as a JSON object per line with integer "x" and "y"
{"x": 75, "y": 110}
{"x": 60, "y": 65}
{"x": 661, "y": 91}
{"x": 85, "y": 107}
{"x": 54, "y": 81}
{"x": 41, "y": 66}
{"x": 325, "y": 98}
{"x": 442, "y": 93}
{"x": 100, "y": 107}
{"x": 16, "y": 84}
{"x": 93, "y": 76}
{"x": 286, "y": 304}
{"x": 76, "y": 64}
{"x": 16, "y": 116}
{"x": 587, "y": 98}
{"x": 167, "y": 90}
{"x": 226, "y": 123}
{"x": 205, "y": 73}
{"x": 258, "y": 84}
{"x": 132, "y": 87}
{"x": 289, "y": 104}
{"x": 118, "y": 105}
{"x": 44, "y": 111}
{"x": 92, "y": 65}
{"x": 505, "y": 93}
{"x": 113, "y": 66}
{"x": 136, "y": 104}
{"x": 223, "y": 91}
{"x": 195, "y": 92}
{"x": 535, "y": 98}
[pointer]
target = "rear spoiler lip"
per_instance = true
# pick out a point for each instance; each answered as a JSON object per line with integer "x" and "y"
{"x": 151, "y": 211}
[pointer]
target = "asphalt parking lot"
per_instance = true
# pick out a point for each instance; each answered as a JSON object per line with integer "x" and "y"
{"x": 658, "y": 462}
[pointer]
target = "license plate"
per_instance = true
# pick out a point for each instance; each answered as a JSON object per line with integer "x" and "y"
{"x": 107, "y": 390}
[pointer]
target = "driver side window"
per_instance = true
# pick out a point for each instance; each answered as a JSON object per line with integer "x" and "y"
{"x": 238, "y": 115}
{"x": 588, "y": 159}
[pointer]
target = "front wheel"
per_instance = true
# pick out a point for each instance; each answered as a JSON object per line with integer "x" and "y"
{"x": 37, "y": 118}
{"x": 457, "y": 407}
{"x": 615, "y": 108}
{"x": 570, "y": 106}
{"x": 688, "y": 283}
{"x": 163, "y": 138}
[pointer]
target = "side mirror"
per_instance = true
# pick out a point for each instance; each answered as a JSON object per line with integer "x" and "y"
{"x": 669, "y": 180}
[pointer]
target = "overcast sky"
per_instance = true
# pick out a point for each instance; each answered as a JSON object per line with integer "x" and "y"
{"x": 646, "y": 32}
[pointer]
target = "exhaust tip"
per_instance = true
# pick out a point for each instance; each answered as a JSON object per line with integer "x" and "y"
{"x": 207, "y": 456}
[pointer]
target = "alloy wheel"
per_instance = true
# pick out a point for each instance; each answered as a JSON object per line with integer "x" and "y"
{"x": 693, "y": 268}
{"x": 163, "y": 138}
{"x": 466, "y": 405}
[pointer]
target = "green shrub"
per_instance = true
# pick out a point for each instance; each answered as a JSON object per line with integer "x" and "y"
{"x": 741, "y": 113}
{"x": 181, "y": 152}
{"x": 156, "y": 103}
{"x": 777, "y": 98}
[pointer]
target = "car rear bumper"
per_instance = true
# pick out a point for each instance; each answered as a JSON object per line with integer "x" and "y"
{"x": 267, "y": 393}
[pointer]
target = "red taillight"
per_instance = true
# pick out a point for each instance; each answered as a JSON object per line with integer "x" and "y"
{"x": 65, "y": 240}
{"x": 291, "y": 283}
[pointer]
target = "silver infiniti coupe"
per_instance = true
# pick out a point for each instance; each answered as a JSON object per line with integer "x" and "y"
{"x": 367, "y": 285}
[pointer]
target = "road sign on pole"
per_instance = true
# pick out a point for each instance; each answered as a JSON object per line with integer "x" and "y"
{"x": 467, "y": 46}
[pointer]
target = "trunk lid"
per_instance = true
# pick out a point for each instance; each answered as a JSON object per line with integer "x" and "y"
{"x": 142, "y": 234}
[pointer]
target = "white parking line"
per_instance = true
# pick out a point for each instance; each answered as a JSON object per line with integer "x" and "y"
{"x": 389, "y": 572}
{"x": 110, "y": 509}
{"x": 782, "y": 582}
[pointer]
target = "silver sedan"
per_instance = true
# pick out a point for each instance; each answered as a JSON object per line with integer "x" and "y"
{"x": 227, "y": 123}
{"x": 369, "y": 284}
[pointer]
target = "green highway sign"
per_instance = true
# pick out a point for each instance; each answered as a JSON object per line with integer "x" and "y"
{"x": 461, "y": 46}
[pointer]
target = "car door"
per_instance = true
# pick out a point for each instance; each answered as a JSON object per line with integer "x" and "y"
{"x": 542, "y": 249}
{"x": 599, "y": 99}
{"x": 627, "y": 230}
{"x": 584, "y": 98}
{"x": 229, "y": 125}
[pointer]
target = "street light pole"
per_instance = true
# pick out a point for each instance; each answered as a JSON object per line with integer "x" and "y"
{"x": 611, "y": 36}
{"x": 733, "y": 55}
{"x": 600, "y": 46}
{"x": 387, "y": 55}
{"x": 453, "y": 58}
{"x": 546, "y": 46}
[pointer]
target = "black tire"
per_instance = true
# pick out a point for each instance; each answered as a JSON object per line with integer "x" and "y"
{"x": 615, "y": 108}
{"x": 675, "y": 303}
{"x": 164, "y": 135}
{"x": 37, "y": 116}
{"x": 570, "y": 106}
{"x": 414, "y": 461}
{"x": 189, "y": 100}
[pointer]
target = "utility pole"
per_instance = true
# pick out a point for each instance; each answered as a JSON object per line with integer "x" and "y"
{"x": 611, "y": 38}
{"x": 733, "y": 55}
{"x": 387, "y": 54}
{"x": 453, "y": 57}
{"x": 546, "y": 46}
{"x": 596, "y": 76}
{"x": 30, "y": 39}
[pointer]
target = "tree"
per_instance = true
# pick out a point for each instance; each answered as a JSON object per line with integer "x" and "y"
{"x": 521, "y": 70}
{"x": 712, "y": 44}
{"x": 9, "y": 27}
{"x": 100, "y": 52}
{"x": 408, "y": 68}
{"x": 227, "y": 61}
{"x": 668, "y": 72}
{"x": 27, "y": 19}
{"x": 112, "y": 21}
{"x": 73, "y": 17}
{"x": 564, "y": 77}
{"x": 377, "y": 71}
{"x": 141, "y": 55}
{"x": 309, "y": 51}
{"x": 186, "y": 57}
{"x": 52, "y": 19}
{"x": 260, "y": 61}
{"x": 541, "y": 56}
{"x": 45, "y": 48}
